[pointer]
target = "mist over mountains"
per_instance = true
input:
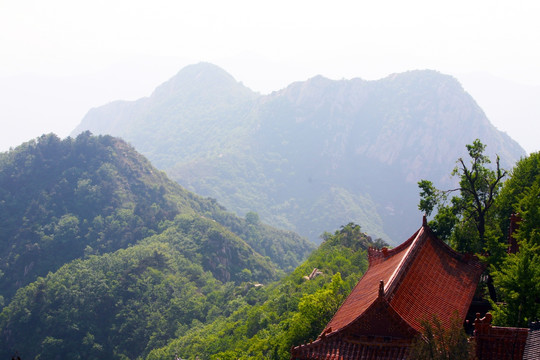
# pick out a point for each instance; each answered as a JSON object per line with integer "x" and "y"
{"x": 313, "y": 156}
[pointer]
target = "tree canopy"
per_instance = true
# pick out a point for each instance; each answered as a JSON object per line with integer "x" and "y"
{"x": 478, "y": 221}
{"x": 463, "y": 219}
{"x": 62, "y": 200}
{"x": 517, "y": 275}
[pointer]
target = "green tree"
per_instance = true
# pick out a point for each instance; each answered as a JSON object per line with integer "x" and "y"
{"x": 67, "y": 228}
{"x": 464, "y": 219}
{"x": 518, "y": 282}
{"x": 252, "y": 218}
{"x": 315, "y": 310}
{"x": 287, "y": 313}
{"x": 525, "y": 174}
{"x": 517, "y": 278}
{"x": 439, "y": 343}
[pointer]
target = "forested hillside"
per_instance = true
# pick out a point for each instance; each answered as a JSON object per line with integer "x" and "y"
{"x": 195, "y": 285}
{"x": 312, "y": 156}
{"x": 121, "y": 305}
{"x": 62, "y": 200}
{"x": 289, "y": 312}
{"x": 163, "y": 297}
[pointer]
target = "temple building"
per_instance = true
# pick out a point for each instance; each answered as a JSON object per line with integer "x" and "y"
{"x": 403, "y": 286}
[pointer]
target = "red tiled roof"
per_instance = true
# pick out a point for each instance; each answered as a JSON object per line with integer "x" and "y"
{"x": 438, "y": 281}
{"x": 381, "y": 267}
{"x": 422, "y": 277}
{"x": 384, "y": 336}
{"x": 501, "y": 343}
{"x": 341, "y": 349}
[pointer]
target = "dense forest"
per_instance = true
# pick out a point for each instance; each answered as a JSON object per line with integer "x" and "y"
{"x": 66, "y": 199}
{"x": 288, "y": 312}
{"x": 157, "y": 299}
{"x": 104, "y": 257}
{"x": 96, "y": 200}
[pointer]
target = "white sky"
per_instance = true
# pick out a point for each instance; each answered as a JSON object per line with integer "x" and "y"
{"x": 59, "y": 58}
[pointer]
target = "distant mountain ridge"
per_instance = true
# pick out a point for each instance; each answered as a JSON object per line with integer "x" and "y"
{"x": 186, "y": 103}
{"x": 313, "y": 156}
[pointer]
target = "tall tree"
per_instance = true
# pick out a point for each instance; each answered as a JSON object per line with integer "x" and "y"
{"x": 463, "y": 219}
{"x": 518, "y": 285}
{"x": 517, "y": 276}
{"x": 523, "y": 176}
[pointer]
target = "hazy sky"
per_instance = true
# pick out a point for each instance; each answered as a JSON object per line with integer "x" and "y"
{"x": 60, "y": 58}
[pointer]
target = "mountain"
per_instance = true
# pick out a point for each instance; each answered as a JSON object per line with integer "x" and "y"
{"x": 520, "y": 107}
{"x": 156, "y": 299}
{"x": 103, "y": 256}
{"x": 202, "y": 105}
{"x": 294, "y": 309}
{"x": 62, "y": 200}
{"x": 313, "y": 156}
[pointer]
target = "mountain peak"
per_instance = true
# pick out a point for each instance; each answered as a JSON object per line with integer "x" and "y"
{"x": 201, "y": 77}
{"x": 204, "y": 71}
{"x": 352, "y": 150}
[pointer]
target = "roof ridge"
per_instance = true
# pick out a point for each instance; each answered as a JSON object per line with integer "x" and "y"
{"x": 407, "y": 259}
{"x": 375, "y": 254}
{"x": 417, "y": 239}
{"x": 375, "y": 257}
{"x": 464, "y": 257}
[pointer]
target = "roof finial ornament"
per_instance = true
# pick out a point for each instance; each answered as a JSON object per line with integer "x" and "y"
{"x": 424, "y": 220}
{"x": 381, "y": 288}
